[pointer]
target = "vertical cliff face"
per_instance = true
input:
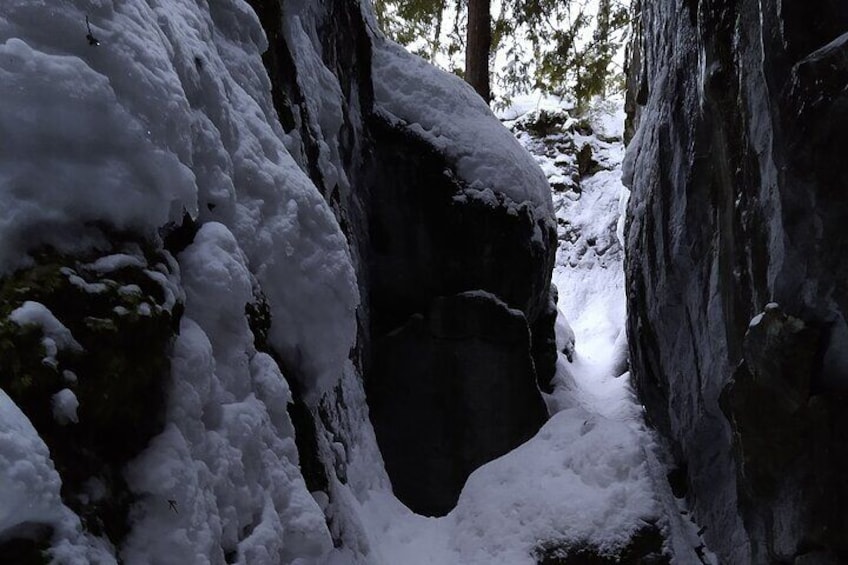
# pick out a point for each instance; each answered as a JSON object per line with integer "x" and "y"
{"x": 736, "y": 265}
{"x": 426, "y": 227}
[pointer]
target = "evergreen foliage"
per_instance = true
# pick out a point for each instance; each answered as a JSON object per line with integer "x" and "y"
{"x": 562, "y": 47}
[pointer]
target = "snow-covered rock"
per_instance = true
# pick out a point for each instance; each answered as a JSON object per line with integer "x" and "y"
{"x": 166, "y": 120}
{"x": 424, "y": 101}
{"x": 429, "y": 217}
{"x": 193, "y": 239}
{"x": 65, "y": 405}
{"x": 222, "y": 478}
{"x": 31, "y": 505}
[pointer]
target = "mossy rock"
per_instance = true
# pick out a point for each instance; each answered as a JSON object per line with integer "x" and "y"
{"x": 125, "y": 322}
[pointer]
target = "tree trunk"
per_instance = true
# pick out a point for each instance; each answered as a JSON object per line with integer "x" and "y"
{"x": 477, "y": 47}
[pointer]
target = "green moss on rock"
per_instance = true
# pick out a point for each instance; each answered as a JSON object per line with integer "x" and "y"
{"x": 125, "y": 322}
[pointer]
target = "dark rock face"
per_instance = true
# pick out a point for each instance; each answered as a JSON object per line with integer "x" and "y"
{"x": 443, "y": 405}
{"x": 738, "y": 178}
{"x": 123, "y": 321}
{"x": 644, "y": 548}
{"x": 466, "y": 361}
{"x": 416, "y": 239}
{"x": 789, "y": 442}
{"x": 27, "y": 544}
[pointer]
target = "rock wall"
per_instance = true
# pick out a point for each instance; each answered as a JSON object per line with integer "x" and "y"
{"x": 214, "y": 227}
{"x": 737, "y": 210}
{"x": 419, "y": 242}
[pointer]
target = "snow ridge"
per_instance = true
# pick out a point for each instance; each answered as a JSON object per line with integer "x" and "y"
{"x": 414, "y": 95}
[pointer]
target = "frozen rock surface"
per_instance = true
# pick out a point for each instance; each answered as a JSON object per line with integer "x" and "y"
{"x": 737, "y": 175}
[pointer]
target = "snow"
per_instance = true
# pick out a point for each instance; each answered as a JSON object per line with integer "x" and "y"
{"x": 170, "y": 114}
{"x": 115, "y": 262}
{"x": 56, "y": 336}
{"x": 534, "y": 101}
{"x": 445, "y": 111}
{"x": 29, "y": 489}
{"x": 323, "y": 96}
{"x": 36, "y": 314}
{"x": 30, "y": 492}
{"x": 607, "y": 117}
{"x": 65, "y": 137}
{"x": 589, "y": 265}
{"x": 594, "y": 473}
{"x": 65, "y": 406}
{"x": 583, "y": 478}
{"x": 82, "y": 284}
{"x": 558, "y": 487}
{"x": 564, "y": 335}
{"x": 227, "y": 457}
{"x": 288, "y": 232}
{"x": 771, "y": 307}
{"x": 489, "y": 297}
